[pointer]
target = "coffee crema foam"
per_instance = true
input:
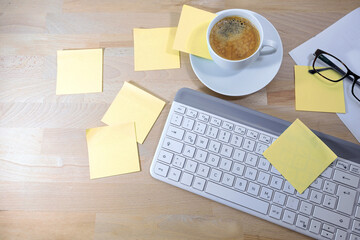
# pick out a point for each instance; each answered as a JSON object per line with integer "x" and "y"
{"x": 234, "y": 38}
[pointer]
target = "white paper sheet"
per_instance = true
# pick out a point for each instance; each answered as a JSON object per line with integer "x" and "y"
{"x": 342, "y": 39}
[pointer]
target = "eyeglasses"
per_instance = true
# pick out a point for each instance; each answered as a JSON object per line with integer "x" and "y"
{"x": 333, "y": 69}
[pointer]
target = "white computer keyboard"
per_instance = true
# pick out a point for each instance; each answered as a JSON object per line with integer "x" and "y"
{"x": 222, "y": 160}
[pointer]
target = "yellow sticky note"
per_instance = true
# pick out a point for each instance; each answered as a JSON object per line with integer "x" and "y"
{"x": 299, "y": 155}
{"x": 315, "y": 93}
{"x": 112, "y": 150}
{"x": 191, "y": 33}
{"x": 79, "y": 71}
{"x": 153, "y": 49}
{"x": 134, "y": 104}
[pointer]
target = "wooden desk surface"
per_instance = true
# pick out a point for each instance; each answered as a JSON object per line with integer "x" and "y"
{"x": 45, "y": 191}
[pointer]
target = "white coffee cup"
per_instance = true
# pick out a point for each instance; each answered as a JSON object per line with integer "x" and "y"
{"x": 239, "y": 64}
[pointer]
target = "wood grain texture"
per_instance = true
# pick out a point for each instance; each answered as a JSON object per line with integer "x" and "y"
{"x": 45, "y": 190}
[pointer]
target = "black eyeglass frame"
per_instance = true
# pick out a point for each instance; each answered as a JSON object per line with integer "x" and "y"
{"x": 318, "y": 54}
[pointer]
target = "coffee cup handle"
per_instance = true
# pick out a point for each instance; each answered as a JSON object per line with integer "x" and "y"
{"x": 270, "y": 47}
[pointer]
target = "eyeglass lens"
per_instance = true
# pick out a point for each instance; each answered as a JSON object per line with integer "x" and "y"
{"x": 329, "y": 67}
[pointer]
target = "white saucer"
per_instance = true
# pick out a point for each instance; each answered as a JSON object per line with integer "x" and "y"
{"x": 245, "y": 81}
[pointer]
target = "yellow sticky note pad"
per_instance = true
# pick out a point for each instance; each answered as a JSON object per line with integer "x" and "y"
{"x": 299, "y": 155}
{"x": 112, "y": 150}
{"x": 191, "y": 33}
{"x": 153, "y": 49}
{"x": 314, "y": 93}
{"x": 79, "y": 71}
{"x": 134, "y": 104}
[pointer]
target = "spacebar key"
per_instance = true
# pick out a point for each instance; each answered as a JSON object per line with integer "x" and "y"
{"x": 237, "y": 197}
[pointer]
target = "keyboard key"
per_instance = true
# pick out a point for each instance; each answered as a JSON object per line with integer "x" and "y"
{"x": 357, "y": 214}
{"x": 161, "y": 169}
{"x": 302, "y": 222}
{"x": 215, "y": 121}
{"x": 174, "y": 174}
{"x": 203, "y": 117}
{"x": 199, "y": 183}
{"x": 276, "y": 182}
{"x": 202, "y": 142}
{"x": 179, "y": 161}
{"x": 264, "y": 138}
{"x": 250, "y": 173}
{"x": 213, "y": 160}
{"x": 176, "y": 119}
{"x": 292, "y": 203}
{"x": 236, "y": 140}
{"x": 228, "y": 126}
{"x": 328, "y": 228}
{"x": 356, "y": 226}
{"x": 215, "y": 174}
{"x": 331, "y": 217}
{"x": 252, "y": 134}
{"x": 289, "y": 217}
{"x": 228, "y": 179}
{"x": 346, "y": 199}
{"x": 316, "y": 196}
{"x": 224, "y": 136}
{"x": 173, "y": 145}
{"x": 329, "y": 187}
{"x": 191, "y": 113}
{"x": 201, "y": 155}
{"x": 240, "y": 184}
{"x": 249, "y": 145}
{"x": 266, "y": 193}
{"x": 226, "y": 150}
{"x": 346, "y": 178}
{"x": 317, "y": 183}
{"x": 186, "y": 179}
{"x": 263, "y": 178}
{"x": 188, "y": 123}
{"x": 253, "y": 188}
{"x": 239, "y": 155}
{"x": 279, "y": 198}
{"x": 180, "y": 109}
{"x": 175, "y": 132}
{"x": 340, "y": 235}
{"x": 260, "y": 148}
{"x": 342, "y": 165}
{"x": 190, "y": 166}
{"x": 203, "y": 170}
{"x": 354, "y": 237}
{"x": 306, "y": 208}
{"x": 165, "y": 156}
{"x": 355, "y": 169}
{"x": 190, "y": 138}
{"x": 238, "y": 169}
{"x": 275, "y": 212}
{"x": 288, "y": 188}
{"x": 212, "y": 132}
{"x": 303, "y": 195}
{"x": 275, "y": 171}
{"x": 225, "y": 164}
{"x": 251, "y": 159}
{"x": 237, "y": 197}
{"x": 327, "y": 173}
{"x": 327, "y": 234}
{"x": 315, "y": 226}
{"x": 189, "y": 151}
{"x": 329, "y": 201}
{"x": 200, "y": 128}
{"x": 240, "y": 130}
{"x": 214, "y": 146}
{"x": 264, "y": 164}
